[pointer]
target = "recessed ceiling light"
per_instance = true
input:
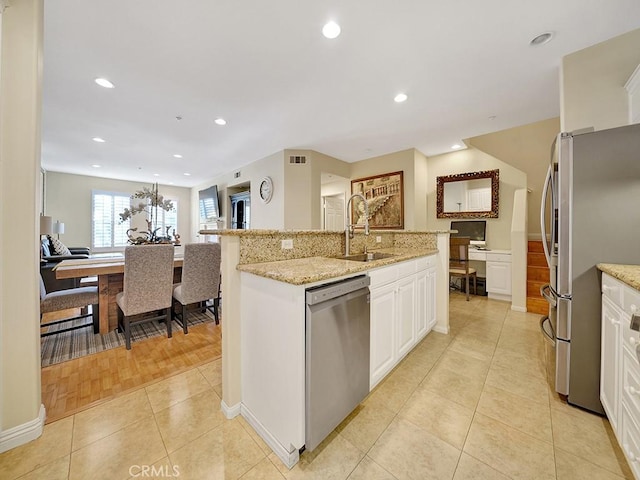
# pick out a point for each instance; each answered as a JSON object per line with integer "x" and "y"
{"x": 95, "y": 165}
{"x": 177, "y": 155}
{"x": 103, "y": 82}
{"x": 331, "y": 30}
{"x": 541, "y": 39}
{"x": 186, "y": 174}
{"x": 98, "y": 139}
{"x": 156, "y": 174}
{"x": 220, "y": 121}
{"x": 456, "y": 146}
{"x": 401, "y": 97}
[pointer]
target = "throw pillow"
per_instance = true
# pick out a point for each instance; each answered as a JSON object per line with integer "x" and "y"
{"x": 59, "y": 247}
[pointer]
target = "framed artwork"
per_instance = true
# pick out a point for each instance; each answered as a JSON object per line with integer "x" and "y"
{"x": 384, "y": 195}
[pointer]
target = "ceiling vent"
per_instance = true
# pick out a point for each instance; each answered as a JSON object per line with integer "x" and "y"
{"x": 236, "y": 174}
{"x": 297, "y": 159}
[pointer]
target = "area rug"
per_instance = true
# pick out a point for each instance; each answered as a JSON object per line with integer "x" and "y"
{"x": 77, "y": 343}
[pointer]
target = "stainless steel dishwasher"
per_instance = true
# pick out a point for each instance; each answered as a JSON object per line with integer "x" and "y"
{"x": 337, "y": 354}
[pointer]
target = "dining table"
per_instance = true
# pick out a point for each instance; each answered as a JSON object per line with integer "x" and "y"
{"x": 109, "y": 272}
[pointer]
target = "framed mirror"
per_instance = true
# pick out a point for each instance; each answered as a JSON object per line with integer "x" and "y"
{"x": 468, "y": 195}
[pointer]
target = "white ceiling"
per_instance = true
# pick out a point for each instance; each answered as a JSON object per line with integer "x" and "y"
{"x": 265, "y": 67}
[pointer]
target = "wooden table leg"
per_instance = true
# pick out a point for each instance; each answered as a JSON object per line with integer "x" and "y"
{"x": 103, "y": 292}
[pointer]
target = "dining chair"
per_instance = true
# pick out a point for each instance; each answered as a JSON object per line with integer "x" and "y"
{"x": 147, "y": 287}
{"x": 200, "y": 280}
{"x": 459, "y": 262}
{"x": 71, "y": 298}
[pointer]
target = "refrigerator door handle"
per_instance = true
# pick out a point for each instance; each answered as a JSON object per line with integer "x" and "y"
{"x": 549, "y": 295}
{"x": 543, "y": 211}
{"x": 547, "y": 332}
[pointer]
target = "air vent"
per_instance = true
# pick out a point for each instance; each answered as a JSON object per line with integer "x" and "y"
{"x": 297, "y": 159}
{"x": 236, "y": 174}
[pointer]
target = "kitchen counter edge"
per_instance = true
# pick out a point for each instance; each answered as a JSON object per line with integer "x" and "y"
{"x": 302, "y": 271}
{"x": 629, "y": 274}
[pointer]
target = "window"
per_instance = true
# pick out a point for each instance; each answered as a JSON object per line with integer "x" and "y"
{"x": 108, "y": 232}
{"x": 167, "y": 219}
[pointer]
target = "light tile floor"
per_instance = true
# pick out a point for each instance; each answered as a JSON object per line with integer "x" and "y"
{"x": 470, "y": 405}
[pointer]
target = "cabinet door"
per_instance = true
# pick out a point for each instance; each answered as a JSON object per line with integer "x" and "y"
{"x": 610, "y": 361}
{"x": 431, "y": 299}
{"x": 499, "y": 277}
{"x": 406, "y": 315}
{"x": 383, "y": 318}
{"x": 422, "y": 304}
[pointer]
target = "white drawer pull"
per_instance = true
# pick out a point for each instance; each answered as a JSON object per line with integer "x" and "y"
{"x": 633, "y": 391}
{"x": 632, "y": 340}
{"x": 613, "y": 321}
{"x": 634, "y": 309}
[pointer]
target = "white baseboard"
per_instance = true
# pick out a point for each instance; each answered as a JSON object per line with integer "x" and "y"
{"x": 230, "y": 412}
{"x": 500, "y": 296}
{"x": 289, "y": 458}
{"x": 518, "y": 309}
{"x": 441, "y": 329}
{"x": 21, "y": 434}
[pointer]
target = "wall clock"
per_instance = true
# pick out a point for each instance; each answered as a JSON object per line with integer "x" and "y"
{"x": 266, "y": 189}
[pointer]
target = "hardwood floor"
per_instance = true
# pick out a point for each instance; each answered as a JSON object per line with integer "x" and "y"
{"x": 72, "y": 386}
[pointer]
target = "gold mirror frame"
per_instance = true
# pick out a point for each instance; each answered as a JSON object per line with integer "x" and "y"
{"x": 494, "y": 175}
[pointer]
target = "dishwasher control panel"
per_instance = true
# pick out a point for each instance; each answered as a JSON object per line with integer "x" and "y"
{"x": 328, "y": 291}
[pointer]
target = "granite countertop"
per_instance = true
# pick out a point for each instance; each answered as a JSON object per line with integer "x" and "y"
{"x": 629, "y": 274}
{"x": 301, "y": 271}
{"x": 259, "y": 232}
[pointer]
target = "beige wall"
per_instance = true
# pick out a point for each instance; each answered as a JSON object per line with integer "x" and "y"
{"x": 20, "y": 114}
{"x": 68, "y": 199}
{"x": 405, "y": 161}
{"x": 263, "y": 215}
{"x": 526, "y": 148}
{"x": 592, "y": 83}
{"x": 472, "y": 160}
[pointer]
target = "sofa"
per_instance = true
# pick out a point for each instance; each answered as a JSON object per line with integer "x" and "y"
{"x": 49, "y": 259}
{"x": 49, "y": 254}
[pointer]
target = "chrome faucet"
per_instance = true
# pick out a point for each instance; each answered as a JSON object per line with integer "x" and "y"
{"x": 349, "y": 230}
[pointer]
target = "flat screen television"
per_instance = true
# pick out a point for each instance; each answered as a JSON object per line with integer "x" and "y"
{"x": 209, "y": 205}
{"x": 476, "y": 230}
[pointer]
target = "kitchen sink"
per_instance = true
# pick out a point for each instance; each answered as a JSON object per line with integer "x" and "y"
{"x": 366, "y": 257}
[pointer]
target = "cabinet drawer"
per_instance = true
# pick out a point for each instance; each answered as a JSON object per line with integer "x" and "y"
{"x": 425, "y": 262}
{"x": 382, "y": 276}
{"x": 630, "y": 441}
{"x": 406, "y": 268}
{"x": 631, "y": 383}
{"x": 498, "y": 257}
{"x": 630, "y": 338}
{"x": 612, "y": 289}
{"x": 475, "y": 255}
{"x": 630, "y": 300}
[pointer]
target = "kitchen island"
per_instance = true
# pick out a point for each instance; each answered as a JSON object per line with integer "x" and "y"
{"x": 264, "y": 322}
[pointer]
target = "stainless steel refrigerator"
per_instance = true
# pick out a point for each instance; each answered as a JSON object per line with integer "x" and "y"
{"x": 590, "y": 214}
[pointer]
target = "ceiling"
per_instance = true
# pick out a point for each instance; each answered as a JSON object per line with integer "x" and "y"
{"x": 264, "y": 66}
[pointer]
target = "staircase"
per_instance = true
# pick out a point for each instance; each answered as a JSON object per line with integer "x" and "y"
{"x": 537, "y": 275}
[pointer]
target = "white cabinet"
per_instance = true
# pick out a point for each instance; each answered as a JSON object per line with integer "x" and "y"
{"x": 402, "y": 312}
{"x": 610, "y": 357}
{"x": 620, "y": 366}
{"x": 383, "y": 338}
{"x": 499, "y": 275}
{"x": 406, "y": 314}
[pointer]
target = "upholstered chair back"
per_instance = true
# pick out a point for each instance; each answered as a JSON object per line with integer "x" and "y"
{"x": 148, "y": 278}
{"x": 200, "y": 273}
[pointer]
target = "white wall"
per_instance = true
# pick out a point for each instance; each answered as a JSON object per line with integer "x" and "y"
{"x": 68, "y": 199}
{"x": 20, "y": 117}
{"x": 472, "y": 160}
{"x": 592, "y": 83}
